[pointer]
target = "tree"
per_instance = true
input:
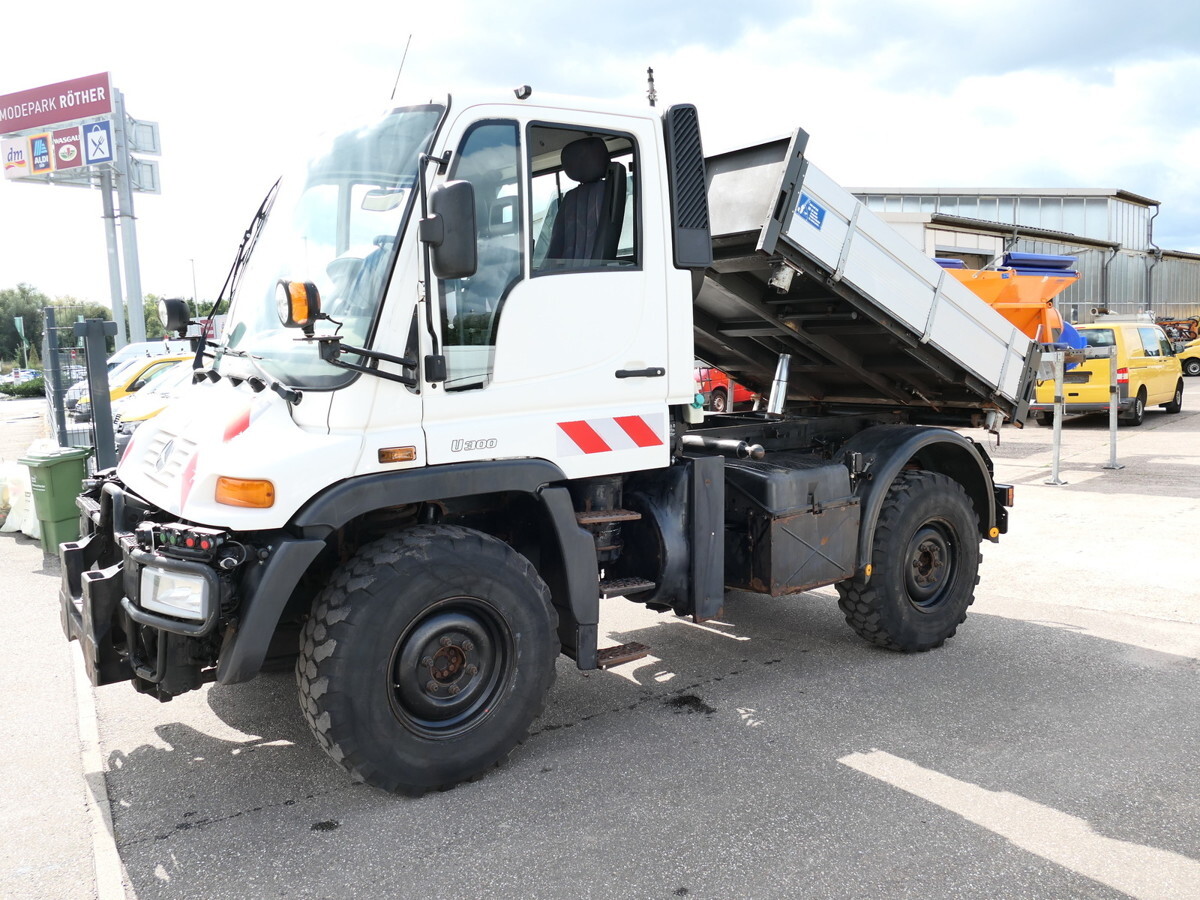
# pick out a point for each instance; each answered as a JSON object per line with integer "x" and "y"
{"x": 26, "y": 302}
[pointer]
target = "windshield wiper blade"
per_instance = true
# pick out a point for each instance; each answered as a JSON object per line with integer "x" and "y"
{"x": 249, "y": 239}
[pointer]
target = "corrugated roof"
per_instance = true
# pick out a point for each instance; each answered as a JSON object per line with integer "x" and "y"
{"x": 1114, "y": 193}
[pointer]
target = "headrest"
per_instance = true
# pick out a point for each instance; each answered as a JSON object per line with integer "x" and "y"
{"x": 585, "y": 160}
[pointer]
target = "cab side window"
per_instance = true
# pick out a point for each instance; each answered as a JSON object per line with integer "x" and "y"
{"x": 488, "y": 157}
{"x": 584, "y": 200}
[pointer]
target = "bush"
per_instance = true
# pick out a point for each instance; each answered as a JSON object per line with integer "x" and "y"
{"x": 35, "y": 388}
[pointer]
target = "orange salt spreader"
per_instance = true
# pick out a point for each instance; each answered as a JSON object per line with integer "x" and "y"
{"x": 1022, "y": 288}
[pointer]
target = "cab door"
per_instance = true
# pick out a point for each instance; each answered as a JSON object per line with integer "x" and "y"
{"x": 549, "y": 356}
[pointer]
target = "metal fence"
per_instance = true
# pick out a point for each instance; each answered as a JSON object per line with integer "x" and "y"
{"x": 69, "y": 371}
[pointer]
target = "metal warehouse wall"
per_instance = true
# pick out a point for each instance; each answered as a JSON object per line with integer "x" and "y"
{"x": 1134, "y": 282}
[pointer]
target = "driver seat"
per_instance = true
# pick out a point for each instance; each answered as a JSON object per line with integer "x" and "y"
{"x": 588, "y": 224}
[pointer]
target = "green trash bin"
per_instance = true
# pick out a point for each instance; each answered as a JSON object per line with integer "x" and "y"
{"x": 55, "y": 479}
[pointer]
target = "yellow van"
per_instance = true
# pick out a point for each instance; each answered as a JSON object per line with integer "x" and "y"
{"x": 1148, "y": 374}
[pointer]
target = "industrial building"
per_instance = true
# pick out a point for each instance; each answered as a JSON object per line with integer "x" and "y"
{"x": 1110, "y": 232}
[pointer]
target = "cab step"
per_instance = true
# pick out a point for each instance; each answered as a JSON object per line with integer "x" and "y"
{"x": 623, "y": 587}
{"x": 623, "y": 653}
{"x": 603, "y": 516}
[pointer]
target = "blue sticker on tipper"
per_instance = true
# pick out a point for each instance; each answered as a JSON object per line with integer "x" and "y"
{"x": 810, "y": 211}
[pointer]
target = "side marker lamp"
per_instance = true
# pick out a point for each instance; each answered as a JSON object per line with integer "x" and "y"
{"x": 397, "y": 454}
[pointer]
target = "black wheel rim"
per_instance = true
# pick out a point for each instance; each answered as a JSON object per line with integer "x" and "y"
{"x": 450, "y": 666}
{"x": 929, "y": 564}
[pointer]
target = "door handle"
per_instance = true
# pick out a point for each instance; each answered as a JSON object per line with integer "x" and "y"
{"x": 653, "y": 372}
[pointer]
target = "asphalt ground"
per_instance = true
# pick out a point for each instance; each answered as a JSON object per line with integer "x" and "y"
{"x": 1048, "y": 750}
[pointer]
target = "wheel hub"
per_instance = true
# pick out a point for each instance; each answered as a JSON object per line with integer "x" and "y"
{"x": 930, "y": 557}
{"x": 446, "y": 668}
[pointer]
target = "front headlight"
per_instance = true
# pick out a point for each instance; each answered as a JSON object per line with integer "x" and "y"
{"x": 175, "y": 593}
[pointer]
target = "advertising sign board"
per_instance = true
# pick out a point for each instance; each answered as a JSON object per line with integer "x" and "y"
{"x": 53, "y": 104}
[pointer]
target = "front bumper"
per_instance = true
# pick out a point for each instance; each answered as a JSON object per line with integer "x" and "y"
{"x": 99, "y": 593}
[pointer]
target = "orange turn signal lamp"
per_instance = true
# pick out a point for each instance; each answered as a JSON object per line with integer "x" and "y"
{"x": 251, "y": 493}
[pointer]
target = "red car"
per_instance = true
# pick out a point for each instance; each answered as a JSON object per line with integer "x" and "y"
{"x": 720, "y": 391}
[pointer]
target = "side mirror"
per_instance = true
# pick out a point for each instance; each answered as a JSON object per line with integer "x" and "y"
{"x": 175, "y": 315}
{"x": 137, "y": 385}
{"x": 298, "y": 304}
{"x": 450, "y": 230}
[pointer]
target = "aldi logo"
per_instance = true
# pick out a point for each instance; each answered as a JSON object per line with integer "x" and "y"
{"x": 40, "y": 159}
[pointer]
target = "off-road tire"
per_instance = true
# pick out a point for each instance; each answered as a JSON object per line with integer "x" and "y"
{"x": 426, "y": 658}
{"x": 1176, "y": 404}
{"x": 925, "y": 565}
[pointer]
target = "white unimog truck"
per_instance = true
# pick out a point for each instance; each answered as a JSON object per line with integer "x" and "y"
{"x": 454, "y": 406}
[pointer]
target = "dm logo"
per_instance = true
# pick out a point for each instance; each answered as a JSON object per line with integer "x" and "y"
{"x": 14, "y": 159}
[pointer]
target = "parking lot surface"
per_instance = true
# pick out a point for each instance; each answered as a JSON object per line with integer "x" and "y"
{"x": 1048, "y": 750}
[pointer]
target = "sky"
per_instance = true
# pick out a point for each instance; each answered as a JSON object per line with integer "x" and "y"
{"x": 908, "y": 93}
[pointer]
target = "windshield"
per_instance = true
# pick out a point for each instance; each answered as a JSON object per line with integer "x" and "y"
{"x": 335, "y": 224}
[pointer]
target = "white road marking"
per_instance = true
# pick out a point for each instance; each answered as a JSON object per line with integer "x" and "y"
{"x": 1139, "y": 871}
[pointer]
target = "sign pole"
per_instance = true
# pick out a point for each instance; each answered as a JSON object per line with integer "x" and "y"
{"x": 133, "y": 276}
{"x": 114, "y": 262}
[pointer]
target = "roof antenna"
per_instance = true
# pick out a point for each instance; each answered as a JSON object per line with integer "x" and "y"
{"x": 651, "y": 93}
{"x": 401, "y": 69}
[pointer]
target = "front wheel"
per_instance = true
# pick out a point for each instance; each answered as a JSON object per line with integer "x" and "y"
{"x": 1176, "y": 404}
{"x": 1191, "y": 367}
{"x": 925, "y": 565}
{"x": 426, "y": 658}
{"x": 719, "y": 400}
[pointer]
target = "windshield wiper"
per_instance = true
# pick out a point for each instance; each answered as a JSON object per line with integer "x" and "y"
{"x": 249, "y": 239}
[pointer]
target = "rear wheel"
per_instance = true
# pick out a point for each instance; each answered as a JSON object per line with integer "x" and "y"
{"x": 1044, "y": 419}
{"x": 426, "y": 658}
{"x": 925, "y": 565}
{"x": 1191, "y": 367}
{"x": 1137, "y": 410}
{"x": 1176, "y": 404}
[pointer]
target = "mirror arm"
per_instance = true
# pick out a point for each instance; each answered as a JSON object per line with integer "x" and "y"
{"x": 434, "y": 360}
{"x": 332, "y": 348}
